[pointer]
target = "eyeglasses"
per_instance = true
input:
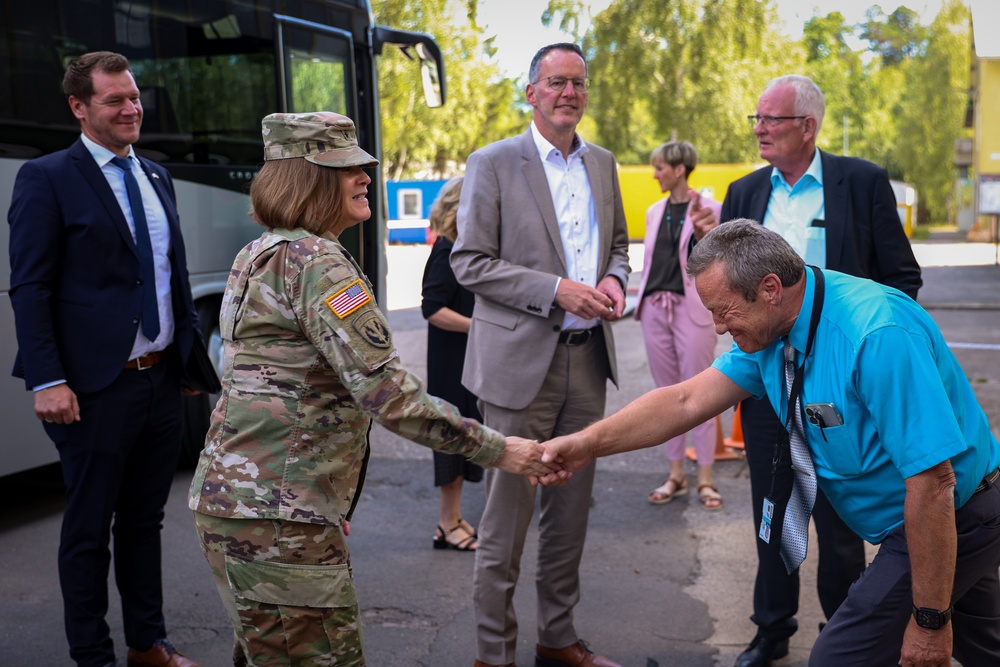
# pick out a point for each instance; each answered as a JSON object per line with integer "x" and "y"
{"x": 558, "y": 83}
{"x": 769, "y": 121}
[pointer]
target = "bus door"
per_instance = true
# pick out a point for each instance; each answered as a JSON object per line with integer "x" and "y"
{"x": 316, "y": 73}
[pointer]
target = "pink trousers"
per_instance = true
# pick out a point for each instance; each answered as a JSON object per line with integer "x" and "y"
{"x": 677, "y": 348}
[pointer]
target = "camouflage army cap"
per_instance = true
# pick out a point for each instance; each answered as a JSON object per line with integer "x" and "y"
{"x": 324, "y": 138}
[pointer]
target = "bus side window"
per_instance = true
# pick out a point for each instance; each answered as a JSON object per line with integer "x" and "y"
{"x": 158, "y": 111}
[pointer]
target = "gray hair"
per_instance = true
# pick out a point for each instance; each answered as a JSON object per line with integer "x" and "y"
{"x": 536, "y": 61}
{"x": 809, "y": 99}
{"x": 748, "y": 252}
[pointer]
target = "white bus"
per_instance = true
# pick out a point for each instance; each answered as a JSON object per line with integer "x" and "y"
{"x": 208, "y": 70}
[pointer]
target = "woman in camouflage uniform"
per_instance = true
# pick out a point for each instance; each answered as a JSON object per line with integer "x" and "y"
{"x": 309, "y": 362}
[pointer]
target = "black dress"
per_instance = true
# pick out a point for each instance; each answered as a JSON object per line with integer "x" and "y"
{"x": 446, "y": 355}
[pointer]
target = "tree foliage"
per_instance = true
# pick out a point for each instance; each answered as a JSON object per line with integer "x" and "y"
{"x": 840, "y": 74}
{"x": 931, "y": 111}
{"x": 693, "y": 70}
{"x": 895, "y": 37}
{"x": 481, "y": 102}
{"x": 684, "y": 69}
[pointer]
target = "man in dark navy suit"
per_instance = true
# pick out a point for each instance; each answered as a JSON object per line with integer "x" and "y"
{"x": 838, "y": 213}
{"x": 105, "y": 323}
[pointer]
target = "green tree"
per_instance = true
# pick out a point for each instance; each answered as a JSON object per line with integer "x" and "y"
{"x": 895, "y": 41}
{"x": 840, "y": 74}
{"x": 683, "y": 69}
{"x": 931, "y": 112}
{"x": 481, "y": 102}
{"x": 896, "y": 37}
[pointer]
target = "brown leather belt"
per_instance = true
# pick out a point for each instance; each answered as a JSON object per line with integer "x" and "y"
{"x": 144, "y": 362}
{"x": 988, "y": 481}
{"x": 577, "y": 336}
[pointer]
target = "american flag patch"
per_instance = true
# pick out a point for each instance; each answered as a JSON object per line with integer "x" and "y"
{"x": 349, "y": 299}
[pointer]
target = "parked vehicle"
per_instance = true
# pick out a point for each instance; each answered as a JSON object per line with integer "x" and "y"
{"x": 209, "y": 71}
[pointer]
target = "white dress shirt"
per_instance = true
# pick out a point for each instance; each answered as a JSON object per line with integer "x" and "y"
{"x": 576, "y": 213}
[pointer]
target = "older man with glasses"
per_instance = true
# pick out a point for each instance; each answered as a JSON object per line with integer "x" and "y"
{"x": 838, "y": 213}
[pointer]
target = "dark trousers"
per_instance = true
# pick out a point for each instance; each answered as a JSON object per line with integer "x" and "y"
{"x": 867, "y": 630}
{"x": 118, "y": 463}
{"x": 841, "y": 551}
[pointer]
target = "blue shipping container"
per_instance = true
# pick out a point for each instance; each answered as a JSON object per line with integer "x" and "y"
{"x": 409, "y": 207}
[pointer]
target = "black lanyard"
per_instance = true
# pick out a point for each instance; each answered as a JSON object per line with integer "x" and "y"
{"x": 793, "y": 395}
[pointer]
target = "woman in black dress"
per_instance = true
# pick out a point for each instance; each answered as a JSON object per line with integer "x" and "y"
{"x": 447, "y": 307}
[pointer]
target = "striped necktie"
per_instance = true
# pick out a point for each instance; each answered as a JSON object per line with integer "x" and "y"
{"x": 795, "y": 526}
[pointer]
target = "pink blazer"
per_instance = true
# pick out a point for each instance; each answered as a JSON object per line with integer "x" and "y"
{"x": 654, "y": 215}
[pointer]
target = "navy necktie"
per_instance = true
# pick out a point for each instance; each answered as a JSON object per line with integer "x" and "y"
{"x": 150, "y": 311}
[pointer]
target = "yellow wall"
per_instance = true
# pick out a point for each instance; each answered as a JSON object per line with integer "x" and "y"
{"x": 640, "y": 190}
{"x": 988, "y": 130}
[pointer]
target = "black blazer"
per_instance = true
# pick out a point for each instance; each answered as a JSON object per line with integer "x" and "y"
{"x": 863, "y": 234}
{"x": 75, "y": 272}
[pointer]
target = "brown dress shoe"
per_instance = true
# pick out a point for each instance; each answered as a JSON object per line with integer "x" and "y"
{"x": 162, "y": 654}
{"x": 574, "y": 655}
{"x": 480, "y": 663}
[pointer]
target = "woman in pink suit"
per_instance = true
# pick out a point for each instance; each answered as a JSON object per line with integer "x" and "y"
{"x": 678, "y": 330}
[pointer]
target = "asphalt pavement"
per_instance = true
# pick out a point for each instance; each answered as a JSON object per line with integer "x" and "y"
{"x": 662, "y": 586}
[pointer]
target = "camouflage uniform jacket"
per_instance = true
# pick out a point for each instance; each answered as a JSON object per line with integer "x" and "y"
{"x": 309, "y": 361}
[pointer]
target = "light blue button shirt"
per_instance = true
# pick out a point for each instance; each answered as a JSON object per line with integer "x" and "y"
{"x": 793, "y": 212}
{"x": 159, "y": 236}
{"x": 904, "y": 399}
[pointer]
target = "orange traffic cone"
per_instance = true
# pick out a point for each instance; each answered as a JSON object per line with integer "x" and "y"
{"x": 723, "y": 451}
{"x": 735, "y": 441}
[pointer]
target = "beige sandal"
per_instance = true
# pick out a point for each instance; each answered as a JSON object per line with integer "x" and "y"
{"x": 710, "y": 497}
{"x": 667, "y": 491}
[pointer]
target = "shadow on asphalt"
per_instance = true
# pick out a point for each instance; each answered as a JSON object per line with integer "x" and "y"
{"x": 32, "y": 495}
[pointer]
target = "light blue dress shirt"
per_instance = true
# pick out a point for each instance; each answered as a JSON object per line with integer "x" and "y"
{"x": 159, "y": 236}
{"x": 797, "y": 212}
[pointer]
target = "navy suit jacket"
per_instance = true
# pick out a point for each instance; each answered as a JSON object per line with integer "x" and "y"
{"x": 863, "y": 234}
{"x": 75, "y": 275}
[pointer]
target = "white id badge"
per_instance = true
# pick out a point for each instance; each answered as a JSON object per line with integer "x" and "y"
{"x": 765, "y": 521}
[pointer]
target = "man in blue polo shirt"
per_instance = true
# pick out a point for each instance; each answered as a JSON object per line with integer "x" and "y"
{"x": 895, "y": 438}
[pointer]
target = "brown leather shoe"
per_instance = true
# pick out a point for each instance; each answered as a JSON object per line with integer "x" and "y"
{"x": 480, "y": 663}
{"x": 574, "y": 655}
{"x": 162, "y": 654}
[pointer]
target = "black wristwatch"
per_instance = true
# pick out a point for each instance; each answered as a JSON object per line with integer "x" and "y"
{"x": 932, "y": 619}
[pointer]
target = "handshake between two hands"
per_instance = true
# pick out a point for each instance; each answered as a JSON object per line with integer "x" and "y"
{"x": 550, "y": 463}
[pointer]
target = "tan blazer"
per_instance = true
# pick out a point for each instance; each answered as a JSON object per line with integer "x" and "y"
{"x": 510, "y": 255}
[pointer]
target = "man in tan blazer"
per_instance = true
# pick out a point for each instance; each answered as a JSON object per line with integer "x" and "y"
{"x": 542, "y": 243}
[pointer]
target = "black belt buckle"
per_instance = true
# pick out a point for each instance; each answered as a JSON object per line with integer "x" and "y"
{"x": 988, "y": 481}
{"x": 575, "y": 337}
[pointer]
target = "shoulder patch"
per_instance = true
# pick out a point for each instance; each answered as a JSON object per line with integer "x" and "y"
{"x": 349, "y": 299}
{"x": 373, "y": 329}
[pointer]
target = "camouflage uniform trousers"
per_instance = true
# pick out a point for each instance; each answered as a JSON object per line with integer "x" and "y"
{"x": 288, "y": 589}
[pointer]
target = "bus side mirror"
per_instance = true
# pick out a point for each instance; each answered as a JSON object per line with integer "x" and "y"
{"x": 430, "y": 76}
{"x": 427, "y": 52}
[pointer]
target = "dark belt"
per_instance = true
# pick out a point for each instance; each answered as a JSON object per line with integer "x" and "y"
{"x": 988, "y": 481}
{"x": 577, "y": 336}
{"x": 144, "y": 362}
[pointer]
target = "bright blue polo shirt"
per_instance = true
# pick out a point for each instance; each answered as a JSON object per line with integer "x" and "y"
{"x": 905, "y": 400}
